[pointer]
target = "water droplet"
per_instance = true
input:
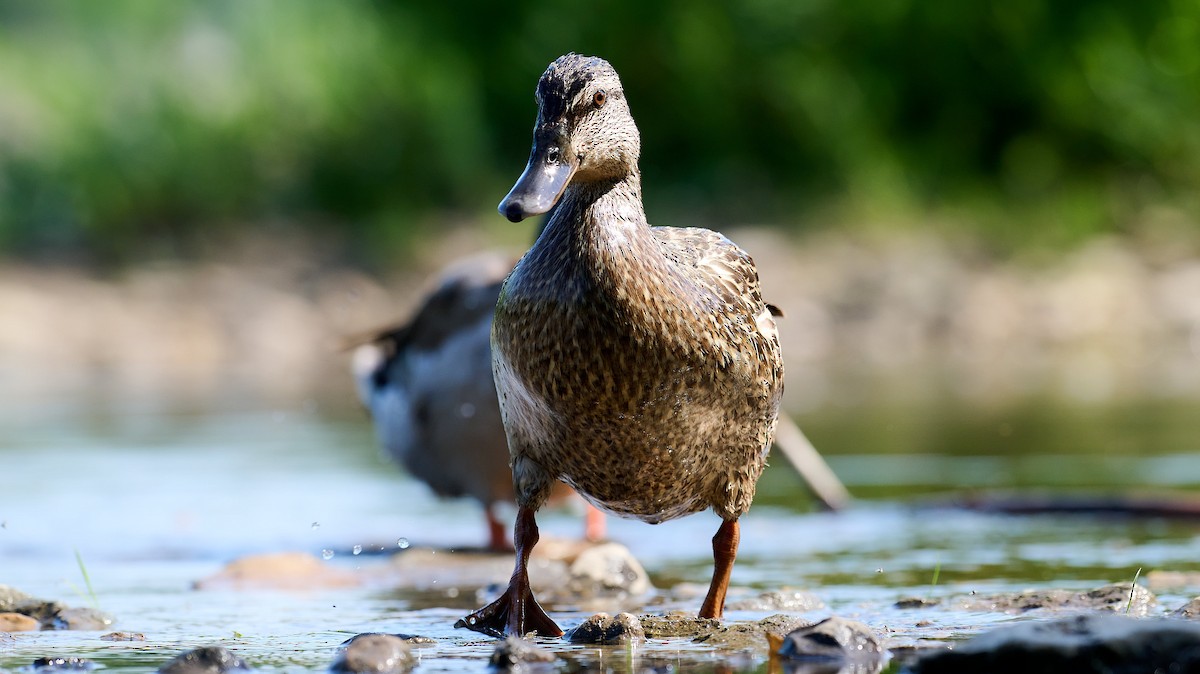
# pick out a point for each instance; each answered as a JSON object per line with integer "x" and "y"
{"x": 452, "y": 592}
{"x": 327, "y": 553}
{"x": 403, "y": 544}
{"x": 357, "y": 549}
{"x": 466, "y": 410}
{"x": 316, "y": 525}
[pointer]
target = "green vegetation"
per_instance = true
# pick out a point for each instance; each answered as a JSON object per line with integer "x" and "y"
{"x": 136, "y": 126}
{"x": 87, "y": 581}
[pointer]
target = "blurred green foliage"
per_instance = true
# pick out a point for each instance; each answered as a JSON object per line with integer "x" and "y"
{"x": 136, "y": 125}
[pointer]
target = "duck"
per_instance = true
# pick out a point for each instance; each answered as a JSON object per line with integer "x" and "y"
{"x": 427, "y": 386}
{"x": 639, "y": 365}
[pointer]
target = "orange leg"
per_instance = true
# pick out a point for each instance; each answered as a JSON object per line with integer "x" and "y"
{"x": 725, "y": 544}
{"x": 593, "y": 523}
{"x": 516, "y": 612}
{"x": 497, "y": 540}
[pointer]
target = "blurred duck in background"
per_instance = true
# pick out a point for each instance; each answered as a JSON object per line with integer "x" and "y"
{"x": 428, "y": 387}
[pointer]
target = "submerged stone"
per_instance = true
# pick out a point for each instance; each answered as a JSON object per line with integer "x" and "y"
{"x": 373, "y": 653}
{"x": 123, "y": 636}
{"x": 63, "y": 665}
{"x": 515, "y": 653}
{"x": 206, "y": 660}
{"x": 1127, "y": 598}
{"x": 607, "y": 630}
{"x": 1095, "y": 642}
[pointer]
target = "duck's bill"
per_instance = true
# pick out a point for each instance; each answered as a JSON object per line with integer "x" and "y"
{"x": 540, "y": 186}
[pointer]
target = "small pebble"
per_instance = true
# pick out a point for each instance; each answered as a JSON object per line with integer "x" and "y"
{"x": 608, "y": 630}
{"x": 373, "y": 653}
{"x": 513, "y": 652}
{"x": 123, "y": 636}
{"x": 18, "y": 622}
{"x": 205, "y": 660}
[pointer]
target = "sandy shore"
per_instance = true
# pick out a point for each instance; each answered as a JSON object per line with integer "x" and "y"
{"x": 912, "y": 316}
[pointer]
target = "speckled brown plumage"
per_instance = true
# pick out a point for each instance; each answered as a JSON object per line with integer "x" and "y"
{"x": 638, "y": 364}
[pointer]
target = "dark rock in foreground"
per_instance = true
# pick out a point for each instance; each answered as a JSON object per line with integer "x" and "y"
{"x": 373, "y": 654}
{"x": 206, "y": 660}
{"x": 515, "y": 653}
{"x": 844, "y": 645}
{"x": 608, "y": 630}
{"x": 1097, "y": 642}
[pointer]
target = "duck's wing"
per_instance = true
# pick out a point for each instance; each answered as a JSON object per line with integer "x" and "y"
{"x": 721, "y": 267}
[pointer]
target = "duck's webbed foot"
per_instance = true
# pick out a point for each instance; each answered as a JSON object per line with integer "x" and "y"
{"x": 516, "y": 612}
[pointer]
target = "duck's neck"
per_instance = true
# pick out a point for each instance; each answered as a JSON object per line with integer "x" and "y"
{"x": 602, "y": 223}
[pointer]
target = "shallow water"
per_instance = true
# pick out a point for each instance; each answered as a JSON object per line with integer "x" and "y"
{"x": 153, "y": 498}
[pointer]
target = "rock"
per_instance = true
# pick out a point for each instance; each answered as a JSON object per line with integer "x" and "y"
{"x": 779, "y": 600}
{"x": 278, "y": 571}
{"x": 123, "y": 636}
{"x": 1188, "y": 610}
{"x": 516, "y": 653}
{"x": 916, "y": 602}
{"x": 848, "y": 643}
{"x": 677, "y": 625}
{"x": 206, "y": 660}
{"x": 63, "y": 665}
{"x": 755, "y": 636}
{"x": 607, "y": 570}
{"x": 18, "y": 622}
{"x": 15, "y": 601}
{"x": 82, "y": 618}
{"x": 1115, "y": 597}
{"x": 373, "y": 654}
{"x": 608, "y": 630}
{"x": 1094, "y": 642}
{"x": 10, "y": 598}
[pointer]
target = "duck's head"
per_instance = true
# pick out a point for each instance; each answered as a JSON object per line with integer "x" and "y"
{"x": 584, "y": 132}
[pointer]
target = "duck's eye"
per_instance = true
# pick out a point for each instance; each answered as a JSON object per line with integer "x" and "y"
{"x": 599, "y": 98}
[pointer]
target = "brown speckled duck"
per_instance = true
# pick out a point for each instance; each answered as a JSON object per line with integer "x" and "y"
{"x": 428, "y": 386}
{"x": 639, "y": 365}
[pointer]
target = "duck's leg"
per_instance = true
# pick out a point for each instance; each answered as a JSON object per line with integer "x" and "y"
{"x": 497, "y": 540}
{"x": 516, "y": 612}
{"x": 725, "y": 544}
{"x": 593, "y": 523}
